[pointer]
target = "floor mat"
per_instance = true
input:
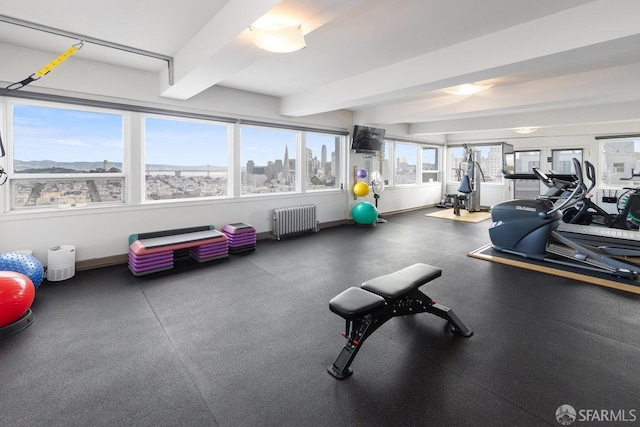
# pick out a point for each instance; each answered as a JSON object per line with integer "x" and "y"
{"x": 487, "y": 253}
{"x": 465, "y": 215}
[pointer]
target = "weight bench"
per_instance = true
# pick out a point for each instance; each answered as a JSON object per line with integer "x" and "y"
{"x": 368, "y": 307}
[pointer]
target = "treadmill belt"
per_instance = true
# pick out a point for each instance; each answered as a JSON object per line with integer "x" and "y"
{"x": 600, "y": 236}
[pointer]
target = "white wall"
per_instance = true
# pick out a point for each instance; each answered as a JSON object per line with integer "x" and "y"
{"x": 103, "y": 232}
{"x": 99, "y": 232}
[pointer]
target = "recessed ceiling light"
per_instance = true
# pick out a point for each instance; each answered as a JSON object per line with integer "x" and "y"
{"x": 467, "y": 89}
{"x": 525, "y": 130}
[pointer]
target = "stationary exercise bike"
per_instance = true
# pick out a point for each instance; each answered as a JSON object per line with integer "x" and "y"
{"x": 586, "y": 212}
{"x": 527, "y": 228}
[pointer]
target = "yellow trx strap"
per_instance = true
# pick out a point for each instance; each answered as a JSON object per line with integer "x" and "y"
{"x": 59, "y": 60}
{"x": 47, "y": 68}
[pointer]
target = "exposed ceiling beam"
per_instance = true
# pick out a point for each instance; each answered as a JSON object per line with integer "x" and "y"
{"x": 609, "y": 85}
{"x": 562, "y": 116}
{"x": 477, "y": 59}
{"x": 208, "y": 56}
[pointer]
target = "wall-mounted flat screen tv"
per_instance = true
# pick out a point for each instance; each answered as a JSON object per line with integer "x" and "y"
{"x": 367, "y": 139}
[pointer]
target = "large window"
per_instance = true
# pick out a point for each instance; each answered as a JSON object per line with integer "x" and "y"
{"x": 402, "y": 163}
{"x": 619, "y": 161}
{"x": 322, "y": 161}
{"x": 525, "y": 161}
{"x": 406, "y": 156}
{"x": 268, "y": 158}
{"x": 430, "y": 164}
{"x": 562, "y": 160}
{"x": 488, "y": 157}
{"x": 378, "y": 163}
{"x": 184, "y": 159}
{"x": 63, "y": 157}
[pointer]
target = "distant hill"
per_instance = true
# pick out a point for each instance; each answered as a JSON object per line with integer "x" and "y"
{"x": 50, "y": 166}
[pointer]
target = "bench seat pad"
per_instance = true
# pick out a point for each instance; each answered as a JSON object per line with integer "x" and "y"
{"x": 395, "y": 285}
{"x": 355, "y": 302}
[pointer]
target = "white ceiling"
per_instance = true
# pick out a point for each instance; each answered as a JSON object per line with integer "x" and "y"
{"x": 551, "y": 62}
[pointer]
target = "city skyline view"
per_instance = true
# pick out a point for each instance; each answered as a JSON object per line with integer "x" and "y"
{"x": 66, "y": 135}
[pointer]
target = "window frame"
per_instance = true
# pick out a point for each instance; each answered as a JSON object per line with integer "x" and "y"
{"x": 143, "y": 142}
{"x": 602, "y": 172}
{"x": 337, "y": 173}
{"x": 554, "y": 166}
{"x": 133, "y": 154}
{"x": 14, "y": 177}
{"x": 485, "y": 172}
{"x": 438, "y": 162}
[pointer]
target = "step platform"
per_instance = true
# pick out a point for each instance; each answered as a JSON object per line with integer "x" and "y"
{"x": 242, "y": 237}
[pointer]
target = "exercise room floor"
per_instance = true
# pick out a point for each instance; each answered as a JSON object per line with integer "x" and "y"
{"x": 246, "y": 341}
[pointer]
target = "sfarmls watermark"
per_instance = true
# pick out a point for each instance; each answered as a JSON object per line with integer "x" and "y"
{"x": 567, "y": 415}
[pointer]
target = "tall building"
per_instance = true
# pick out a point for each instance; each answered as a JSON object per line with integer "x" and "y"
{"x": 285, "y": 166}
{"x": 310, "y": 166}
{"x": 250, "y": 166}
{"x": 323, "y": 156}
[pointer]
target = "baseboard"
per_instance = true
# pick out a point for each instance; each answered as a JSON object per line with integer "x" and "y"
{"x": 90, "y": 264}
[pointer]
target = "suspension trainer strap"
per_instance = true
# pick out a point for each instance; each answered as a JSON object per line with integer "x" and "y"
{"x": 47, "y": 68}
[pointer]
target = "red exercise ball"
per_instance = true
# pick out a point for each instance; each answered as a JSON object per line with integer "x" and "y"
{"x": 16, "y": 296}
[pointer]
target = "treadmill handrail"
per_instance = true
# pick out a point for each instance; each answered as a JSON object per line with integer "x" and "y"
{"x": 591, "y": 174}
{"x": 577, "y": 194}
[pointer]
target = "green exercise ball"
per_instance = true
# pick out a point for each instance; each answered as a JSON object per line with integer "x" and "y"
{"x": 364, "y": 213}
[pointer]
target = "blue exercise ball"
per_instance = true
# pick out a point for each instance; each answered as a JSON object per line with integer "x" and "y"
{"x": 23, "y": 263}
{"x": 364, "y": 213}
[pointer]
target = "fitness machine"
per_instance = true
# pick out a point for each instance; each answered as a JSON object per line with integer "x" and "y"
{"x": 469, "y": 185}
{"x": 585, "y": 212}
{"x": 527, "y": 228}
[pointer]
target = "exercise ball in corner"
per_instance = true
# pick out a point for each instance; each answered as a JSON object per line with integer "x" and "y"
{"x": 16, "y": 296}
{"x": 364, "y": 213}
{"x": 361, "y": 189}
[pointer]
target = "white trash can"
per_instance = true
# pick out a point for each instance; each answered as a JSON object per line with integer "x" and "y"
{"x": 61, "y": 263}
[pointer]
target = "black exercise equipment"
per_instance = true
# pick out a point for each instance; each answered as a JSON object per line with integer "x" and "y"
{"x": 469, "y": 185}
{"x": 20, "y": 324}
{"x": 368, "y": 307}
{"x": 527, "y": 228}
{"x": 586, "y": 212}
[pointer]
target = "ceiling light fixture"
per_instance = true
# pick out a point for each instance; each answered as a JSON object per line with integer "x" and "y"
{"x": 525, "y": 130}
{"x": 278, "y": 38}
{"x": 467, "y": 89}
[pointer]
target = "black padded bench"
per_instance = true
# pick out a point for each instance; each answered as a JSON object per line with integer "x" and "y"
{"x": 368, "y": 307}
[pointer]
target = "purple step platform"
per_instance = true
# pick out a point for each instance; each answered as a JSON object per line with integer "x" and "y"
{"x": 241, "y": 237}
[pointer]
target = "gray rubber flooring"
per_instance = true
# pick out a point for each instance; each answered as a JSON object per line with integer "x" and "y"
{"x": 246, "y": 341}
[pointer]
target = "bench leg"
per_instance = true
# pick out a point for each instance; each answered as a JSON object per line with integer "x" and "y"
{"x": 359, "y": 331}
{"x": 446, "y": 313}
{"x": 418, "y": 302}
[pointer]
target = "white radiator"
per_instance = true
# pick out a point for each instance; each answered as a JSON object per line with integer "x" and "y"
{"x": 294, "y": 219}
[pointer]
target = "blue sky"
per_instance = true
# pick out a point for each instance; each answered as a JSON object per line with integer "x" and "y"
{"x": 65, "y": 135}
{"x": 43, "y": 133}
